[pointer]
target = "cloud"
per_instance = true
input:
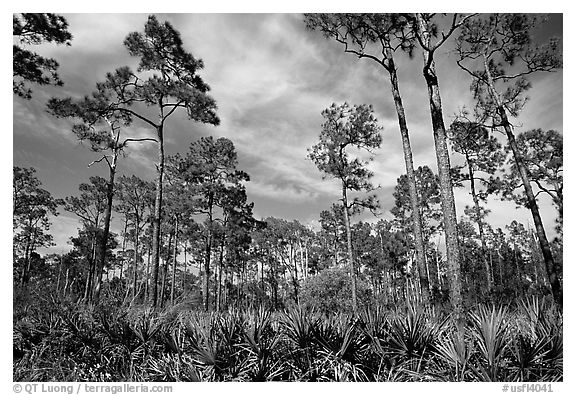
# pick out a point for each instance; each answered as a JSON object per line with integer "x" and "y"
{"x": 63, "y": 227}
{"x": 29, "y": 118}
{"x": 271, "y": 78}
{"x": 282, "y": 193}
{"x": 544, "y": 107}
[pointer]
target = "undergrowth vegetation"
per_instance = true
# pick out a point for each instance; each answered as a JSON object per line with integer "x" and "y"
{"x": 63, "y": 341}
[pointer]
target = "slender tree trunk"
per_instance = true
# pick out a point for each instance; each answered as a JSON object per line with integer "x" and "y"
{"x": 162, "y": 281}
{"x": 351, "y": 265}
{"x": 500, "y": 267}
{"x": 306, "y": 263}
{"x": 538, "y": 262}
{"x": 262, "y": 284}
{"x": 226, "y": 287}
{"x": 219, "y": 281}
{"x": 428, "y": 280}
{"x": 201, "y": 279}
{"x": 165, "y": 272}
{"x": 124, "y": 246}
{"x": 136, "y": 256}
{"x": 489, "y": 279}
{"x": 443, "y": 160}
{"x": 301, "y": 250}
{"x": 491, "y": 260}
{"x": 532, "y": 204}
{"x": 185, "y": 263}
{"x": 106, "y": 231}
{"x": 440, "y": 283}
{"x": 243, "y": 279}
{"x": 91, "y": 266}
{"x": 32, "y": 249}
{"x": 408, "y": 160}
{"x": 517, "y": 270}
{"x": 207, "y": 270}
{"x": 335, "y": 245}
{"x": 273, "y": 279}
{"x": 147, "y": 284}
{"x": 66, "y": 282}
{"x": 215, "y": 282}
{"x": 157, "y": 215}
{"x": 386, "y": 284}
{"x": 295, "y": 279}
{"x": 26, "y": 265}
{"x": 174, "y": 263}
{"x": 59, "y": 275}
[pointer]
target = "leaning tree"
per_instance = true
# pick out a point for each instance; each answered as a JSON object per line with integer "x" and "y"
{"x": 498, "y": 52}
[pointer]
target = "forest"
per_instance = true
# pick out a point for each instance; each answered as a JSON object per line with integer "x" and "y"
{"x": 173, "y": 275}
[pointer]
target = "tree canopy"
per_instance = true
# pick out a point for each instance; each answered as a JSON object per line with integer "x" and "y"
{"x": 27, "y": 66}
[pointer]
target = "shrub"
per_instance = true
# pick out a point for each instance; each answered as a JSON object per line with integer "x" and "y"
{"x": 330, "y": 291}
{"x": 62, "y": 341}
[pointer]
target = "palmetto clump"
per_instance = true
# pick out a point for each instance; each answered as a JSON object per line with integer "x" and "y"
{"x": 68, "y": 342}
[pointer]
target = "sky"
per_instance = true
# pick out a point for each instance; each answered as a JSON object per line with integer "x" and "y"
{"x": 271, "y": 79}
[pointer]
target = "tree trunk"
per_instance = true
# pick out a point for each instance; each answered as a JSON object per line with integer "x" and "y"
{"x": 136, "y": 256}
{"x": 439, "y": 274}
{"x": 443, "y": 160}
{"x": 539, "y": 268}
{"x": 123, "y": 246}
{"x": 386, "y": 285}
{"x": 157, "y": 215}
{"x": 408, "y": 160}
{"x": 26, "y": 265}
{"x": 351, "y": 265}
{"x": 165, "y": 272}
{"x": 273, "y": 280}
{"x": 532, "y": 204}
{"x": 174, "y": 263}
{"x": 219, "y": 281}
{"x": 59, "y": 275}
{"x": 306, "y": 262}
{"x": 518, "y": 274}
{"x": 183, "y": 280}
{"x": 500, "y": 267}
{"x": 66, "y": 282}
{"x": 147, "y": 284}
{"x": 90, "y": 278}
{"x": 489, "y": 280}
{"x": 428, "y": 280}
{"x": 262, "y": 284}
{"x": 302, "y": 266}
{"x": 106, "y": 231}
{"x": 295, "y": 278}
{"x": 208, "y": 252}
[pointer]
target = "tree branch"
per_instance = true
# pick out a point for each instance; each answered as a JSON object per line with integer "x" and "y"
{"x": 100, "y": 160}
{"x": 137, "y": 140}
{"x": 131, "y": 112}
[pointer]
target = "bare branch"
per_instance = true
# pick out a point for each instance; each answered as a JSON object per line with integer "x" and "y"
{"x": 100, "y": 160}
{"x": 137, "y": 140}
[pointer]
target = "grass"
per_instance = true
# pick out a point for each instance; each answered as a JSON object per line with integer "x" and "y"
{"x": 57, "y": 341}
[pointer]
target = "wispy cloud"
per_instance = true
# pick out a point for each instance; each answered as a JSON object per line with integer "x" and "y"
{"x": 271, "y": 79}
